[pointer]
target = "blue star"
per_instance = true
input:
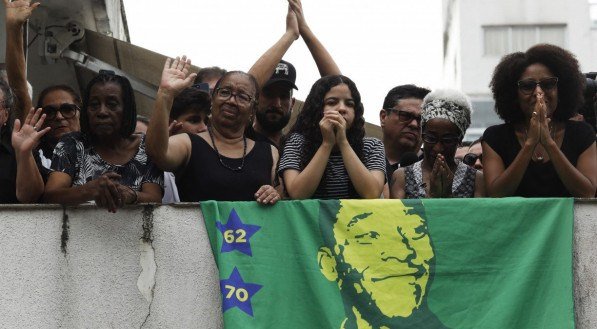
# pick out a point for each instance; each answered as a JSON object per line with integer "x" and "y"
{"x": 238, "y": 293}
{"x": 236, "y": 235}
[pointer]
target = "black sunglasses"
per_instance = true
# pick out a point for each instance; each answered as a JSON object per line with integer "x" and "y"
{"x": 447, "y": 140}
{"x": 528, "y": 86}
{"x": 404, "y": 116}
{"x": 67, "y": 110}
{"x": 471, "y": 158}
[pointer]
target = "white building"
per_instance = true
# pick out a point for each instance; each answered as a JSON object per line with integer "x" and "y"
{"x": 477, "y": 33}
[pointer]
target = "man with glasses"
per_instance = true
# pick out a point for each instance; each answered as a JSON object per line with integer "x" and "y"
{"x": 400, "y": 121}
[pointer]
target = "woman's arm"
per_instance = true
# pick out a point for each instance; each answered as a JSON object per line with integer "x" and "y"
{"x": 150, "y": 193}
{"x": 479, "y": 185}
{"x": 399, "y": 182}
{"x": 303, "y": 184}
{"x": 501, "y": 181}
{"x": 264, "y": 67}
{"x": 25, "y": 138}
{"x": 17, "y": 13}
{"x": 169, "y": 154}
{"x": 581, "y": 180}
{"x": 367, "y": 183}
{"x": 103, "y": 190}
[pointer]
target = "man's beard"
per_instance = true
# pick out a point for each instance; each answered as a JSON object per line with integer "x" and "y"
{"x": 272, "y": 126}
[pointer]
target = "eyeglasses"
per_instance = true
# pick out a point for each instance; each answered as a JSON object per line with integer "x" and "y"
{"x": 471, "y": 158}
{"x": 67, "y": 110}
{"x": 528, "y": 86}
{"x": 242, "y": 98}
{"x": 447, "y": 140}
{"x": 404, "y": 116}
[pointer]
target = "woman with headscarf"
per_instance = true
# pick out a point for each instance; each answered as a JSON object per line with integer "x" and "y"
{"x": 539, "y": 151}
{"x": 105, "y": 162}
{"x": 446, "y": 116}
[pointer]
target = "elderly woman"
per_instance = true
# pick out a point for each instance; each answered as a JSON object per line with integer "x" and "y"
{"x": 327, "y": 155}
{"x": 445, "y": 118}
{"x": 105, "y": 162}
{"x": 538, "y": 151}
{"x": 220, "y": 163}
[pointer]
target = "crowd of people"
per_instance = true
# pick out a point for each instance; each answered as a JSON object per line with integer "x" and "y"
{"x": 218, "y": 135}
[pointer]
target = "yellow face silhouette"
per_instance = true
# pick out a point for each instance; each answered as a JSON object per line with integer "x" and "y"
{"x": 388, "y": 250}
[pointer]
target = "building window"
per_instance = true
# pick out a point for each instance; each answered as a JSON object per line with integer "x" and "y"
{"x": 503, "y": 39}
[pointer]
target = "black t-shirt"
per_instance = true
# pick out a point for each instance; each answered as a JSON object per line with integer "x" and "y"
{"x": 205, "y": 178}
{"x": 540, "y": 179}
{"x": 8, "y": 168}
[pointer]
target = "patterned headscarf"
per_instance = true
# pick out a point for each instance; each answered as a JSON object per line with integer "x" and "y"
{"x": 448, "y": 104}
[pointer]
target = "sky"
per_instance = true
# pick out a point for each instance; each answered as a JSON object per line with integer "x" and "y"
{"x": 379, "y": 44}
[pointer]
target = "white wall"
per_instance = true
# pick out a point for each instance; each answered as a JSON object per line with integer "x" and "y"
{"x": 94, "y": 284}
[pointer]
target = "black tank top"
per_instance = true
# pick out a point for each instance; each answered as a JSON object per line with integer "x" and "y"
{"x": 204, "y": 177}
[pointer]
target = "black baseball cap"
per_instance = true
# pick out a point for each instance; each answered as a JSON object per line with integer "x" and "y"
{"x": 284, "y": 72}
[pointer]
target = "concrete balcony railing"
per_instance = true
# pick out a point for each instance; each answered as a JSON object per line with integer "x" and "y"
{"x": 152, "y": 266}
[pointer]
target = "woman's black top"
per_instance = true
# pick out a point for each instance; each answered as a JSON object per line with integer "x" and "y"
{"x": 205, "y": 178}
{"x": 8, "y": 168}
{"x": 540, "y": 178}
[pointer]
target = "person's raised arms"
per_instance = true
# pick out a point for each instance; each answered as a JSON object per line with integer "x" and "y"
{"x": 25, "y": 138}
{"x": 323, "y": 59}
{"x": 264, "y": 67}
{"x": 17, "y": 13}
{"x": 169, "y": 153}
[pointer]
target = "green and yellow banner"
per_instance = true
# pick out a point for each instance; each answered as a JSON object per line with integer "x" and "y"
{"x": 433, "y": 263}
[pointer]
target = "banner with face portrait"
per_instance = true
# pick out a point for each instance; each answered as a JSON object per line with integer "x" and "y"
{"x": 433, "y": 263}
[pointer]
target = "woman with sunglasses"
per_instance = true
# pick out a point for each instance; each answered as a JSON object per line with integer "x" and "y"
{"x": 446, "y": 116}
{"x": 538, "y": 151}
{"x": 105, "y": 162}
{"x": 326, "y": 154}
{"x": 220, "y": 163}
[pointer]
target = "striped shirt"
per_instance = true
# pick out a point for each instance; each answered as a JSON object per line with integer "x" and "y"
{"x": 335, "y": 183}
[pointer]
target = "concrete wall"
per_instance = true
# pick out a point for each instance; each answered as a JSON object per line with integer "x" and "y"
{"x": 103, "y": 275}
{"x": 152, "y": 267}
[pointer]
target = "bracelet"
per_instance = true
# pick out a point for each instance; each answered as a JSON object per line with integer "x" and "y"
{"x": 135, "y": 193}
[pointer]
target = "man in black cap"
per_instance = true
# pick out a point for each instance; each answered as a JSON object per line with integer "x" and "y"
{"x": 275, "y": 104}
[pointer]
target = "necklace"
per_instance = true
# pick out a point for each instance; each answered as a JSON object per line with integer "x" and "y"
{"x": 242, "y": 164}
{"x": 538, "y": 154}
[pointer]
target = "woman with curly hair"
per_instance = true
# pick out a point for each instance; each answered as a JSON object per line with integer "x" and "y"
{"x": 538, "y": 151}
{"x": 327, "y": 155}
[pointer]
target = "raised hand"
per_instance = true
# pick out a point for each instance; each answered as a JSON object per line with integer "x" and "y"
{"x": 19, "y": 11}
{"x": 297, "y": 7}
{"x": 543, "y": 122}
{"x": 26, "y": 137}
{"x": 174, "y": 128}
{"x": 533, "y": 132}
{"x": 292, "y": 25}
{"x": 176, "y": 77}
